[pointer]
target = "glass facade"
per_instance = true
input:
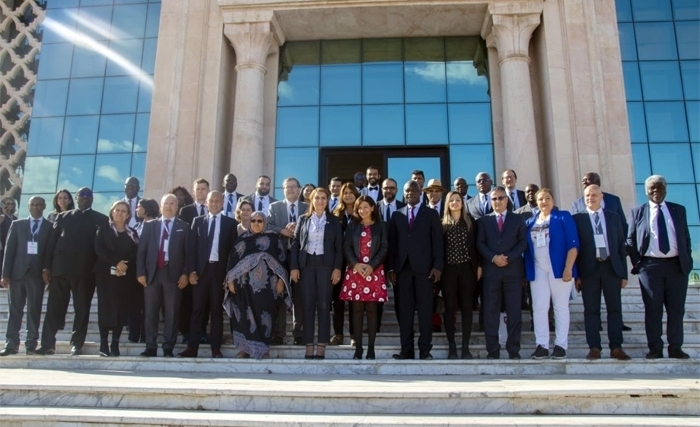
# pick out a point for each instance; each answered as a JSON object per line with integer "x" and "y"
{"x": 660, "y": 43}
{"x": 92, "y": 99}
{"x": 383, "y": 93}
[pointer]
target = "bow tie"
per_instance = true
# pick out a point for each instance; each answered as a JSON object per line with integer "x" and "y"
{"x": 374, "y": 188}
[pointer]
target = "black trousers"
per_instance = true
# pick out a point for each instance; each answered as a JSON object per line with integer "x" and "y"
{"x": 207, "y": 299}
{"x": 60, "y": 290}
{"x": 603, "y": 280}
{"x": 339, "y": 313}
{"x": 416, "y": 292}
{"x": 28, "y": 290}
{"x": 458, "y": 284}
{"x": 316, "y": 290}
{"x": 663, "y": 284}
{"x": 137, "y": 331}
{"x": 162, "y": 292}
{"x": 496, "y": 293}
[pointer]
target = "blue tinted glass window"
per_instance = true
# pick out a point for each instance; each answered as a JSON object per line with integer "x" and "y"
{"x": 153, "y": 20}
{"x": 642, "y": 164}
{"x": 686, "y": 10}
{"x": 690, "y": 70}
{"x": 628, "y": 47}
{"x": 95, "y": 22}
{"x": 656, "y": 41}
{"x": 693, "y": 109}
{"x": 102, "y": 202}
{"x": 425, "y": 82}
{"x": 470, "y": 123}
{"x": 116, "y": 133}
{"x": 111, "y": 170}
{"x": 624, "y": 10}
{"x": 138, "y": 166}
{"x": 58, "y": 24}
{"x": 95, "y": 2}
{"x": 297, "y": 127}
{"x": 341, "y": 126}
{"x": 125, "y": 57}
{"x": 301, "y": 87}
{"x": 145, "y": 97}
{"x": 89, "y": 62}
{"x": 382, "y": 83}
{"x": 62, "y": 3}
{"x": 45, "y": 136}
{"x": 637, "y": 122}
{"x": 641, "y": 193}
{"x": 50, "y": 98}
{"x": 291, "y": 158}
{"x": 55, "y": 61}
{"x": 633, "y": 86}
{"x": 120, "y": 95}
{"x": 80, "y": 135}
{"x": 673, "y": 161}
{"x": 129, "y": 21}
{"x": 683, "y": 194}
{"x": 383, "y": 125}
{"x": 76, "y": 172}
{"x": 695, "y": 149}
{"x": 688, "y": 34}
{"x": 469, "y": 160}
{"x": 661, "y": 81}
{"x": 84, "y": 96}
{"x": 426, "y": 124}
{"x": 666, "y": 122}
{"x": 652, "y": 10}
{"x": 340, "y": 84}
{"x": 141, "y": 133}
{"x": 148, "y": 62}
{"x": 41, "y": 176}
{"x": 464, "y": 84}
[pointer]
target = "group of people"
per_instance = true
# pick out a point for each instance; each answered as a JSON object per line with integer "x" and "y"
{"x": 189, "y": 260}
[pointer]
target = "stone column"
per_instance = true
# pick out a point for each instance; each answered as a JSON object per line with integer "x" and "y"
{"x": 252, "y": 42}
{"x": 508, "y": 28}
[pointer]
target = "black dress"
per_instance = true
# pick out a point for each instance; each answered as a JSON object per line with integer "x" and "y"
{"x": 113, "y": 292}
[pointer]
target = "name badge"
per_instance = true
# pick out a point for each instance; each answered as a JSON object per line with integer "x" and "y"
{"x": 540, "y": 240}
{"x": 599, "y": 241}
{"x": 32, "y": 248}
{"x": 166, "y": 245}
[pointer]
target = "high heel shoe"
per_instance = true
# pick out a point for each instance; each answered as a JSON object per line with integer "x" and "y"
{"x": 320, "y": 356}
{"x": 370, "y": 354}
{"x": 309, "y": 349}
{"x": 358, "y": 353}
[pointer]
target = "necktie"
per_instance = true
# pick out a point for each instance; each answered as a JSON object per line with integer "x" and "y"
{"x": 602, "y": 252}
{"x": 161, "y": 252}
{"x": 260, "y": 205}
{"x": 229, "y": 205}
{"x": 500, "y": 223}
{"x": 387, "y": 215}
{"x": 664, "y": 244}
{"x": 293, "y": 215}
{"x": 334, "y": 202}
{"x": 484, "y": 203}
{"x": 411, "y": 217}
{"x": 35, "y": 227}
{"x": 373, "y": 188}
{"x": 212, "y": 230}
{"x": 201, "y": 210}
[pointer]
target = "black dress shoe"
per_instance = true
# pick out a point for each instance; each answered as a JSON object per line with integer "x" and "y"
{"x": 104, "y": 349}
{"x": 168, "y": 353}
{"x": 41, "y": 351}
{"x": 217, "y": 354}
{"x": 494, "y": 355}
{"x": 370, "y": 354}
{"x": 7, "y": 351}
{"x": 298, "y": 341}
{"x": 404, "y": 356}
{"x": 677, "y": 353}
{"x": 277, "y": 341}
{"x": 149, "y": 352}
{"x": 114, "y": 349}
{"x": 514, "y": 356}
{"x": 655, "y": 354}
{"x": 320, "y": 356}
{"x": 358, "y": 354}
{"x": 626, "y": 328}
{"x": 76, "y": 351}
{"x": 309, "y": 357}
{"x": 188, "y": 352}
{"x": 425, "y": 355}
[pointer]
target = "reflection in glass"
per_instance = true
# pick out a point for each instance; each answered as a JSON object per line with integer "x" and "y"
{"x": 138, "y": 166}
{"x": 686, "y": 10}
{"x": 111, "y": 170}
{"x": 688, "y": 34}
{"x": 695, "y": 149}
{"x": 685, "y": 194}
{"x": 120, "y": 95}
{"x": 341, "y": 126}
{"x": 141, "y": 134}
{"x": 400, "y": 169}
{"x": 130, "y": 50}
{"x": 297, "y": 127}
{"x": 470, "y": 123}
{"x": 340, "y": 84}
{"x": 642, "y": 164}
{"x": 55, "y": 61}
{"x": 85, "y": 96}
{"x": 116, "y": 133}
{"x": 88, "y": 63}
{"x": 41, "y": 174}
{"x": 666, "y": 122}
{"x": 80, "y": 135}
{"x": 426, "y": 124}
{"x": 383, "y": 125}
{"x": 468, "y": 160}
{"x": 288, "y": 160}
{"x": 64, "y": 17}
{"x": 464, "y": 84}
{"x": 301, "y": 87}
{"x": 661, "y": 81}
{"x": 76, "y": 172}
{"x": 690, "y": 70}
{"x": 633, "y": 85}
{"x": 624, "y": 10}
{"x": 94, "y": 22}
{"x": 656, "y": 41}
{"x": 153, "y": 20}
{"x": 673, "y": 161}
{"x": 693, "y": 109}
{"x": 129, "y": 21}
{"x": 50, "y": 98}
{"x": 102, "y": 202}
{"x": 45, "y": 136}
{"x": 641, "y": 194}
{"x": 652, "y": 10}
{"x": 628, "y": 48}
{"x": 145, "y": 98}
{"x": 148, "y": 62}
{"x": 425, "y": 82}
{"x": 382, "y": 83}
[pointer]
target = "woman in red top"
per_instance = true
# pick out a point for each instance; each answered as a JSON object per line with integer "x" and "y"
{"x": 364, "y": 283}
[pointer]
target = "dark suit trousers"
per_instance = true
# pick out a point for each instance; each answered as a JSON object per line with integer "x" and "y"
{"x": 604, "y": 279}
{"x": 663, "y": 284}
{"x": 315, "y": 281}
{"x": 339, "y": 313}
{"x": 162, "y": 292}
{"x": 137, "y": 332}
{"x": 207, "y": 298}
{"x": 416, "y": 294}
{"x": 82, "y": 288}
{"x": 458, "y": 283}
{"x": 30, "y": 290}
{"x": 498, "y": 291}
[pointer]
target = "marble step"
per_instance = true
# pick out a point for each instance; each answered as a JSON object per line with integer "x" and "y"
{"x": 88, "y": 417}
{"x": 580, "y": 394}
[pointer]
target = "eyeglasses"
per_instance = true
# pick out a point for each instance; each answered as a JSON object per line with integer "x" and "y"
{"x": 85, "y": 194}
{"x": 389, "y": 188}
{"x": 499, "y": 198}
{"x": 256, "y": 221}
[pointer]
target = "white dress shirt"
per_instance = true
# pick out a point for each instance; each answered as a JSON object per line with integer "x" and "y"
{"x": 265, "y": 203}
{"x": 170, "y": 235}
{"x": 513, "y": 196}
{"x": 38, "y": 225}
{"x": 230, "y": 204}
{"x": 373, "y": 192}
{"x": 317, "y": 226}
{"x": 289, "y": 210}
{"x": 653, "y": 249}
{"x": 133, "y": 205}
{"x": 214, "y": 254}
{"x": 484, "y": 201}
{"x": 199, "y": 207}
{"x": 392, "y": 209}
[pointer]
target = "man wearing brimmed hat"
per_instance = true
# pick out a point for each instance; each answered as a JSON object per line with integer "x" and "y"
{"x": 435, "y": 191}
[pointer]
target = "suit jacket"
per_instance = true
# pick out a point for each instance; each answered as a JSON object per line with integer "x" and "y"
{"x": 423, "y": 198}
{"x": 522, "y": 201}
{"x": 381, "y": 205}
{"x": 365, "y": 192}
{"x": 134, "y": 219}
{"x": 586, "y": 259}
{"x": 239, "y": 197}
{"x": 106, "y": 248}
{"x": 441, "y": 210}
{"x": 251, "y": 199}
{"x": 562, "y": 238}
{"x": 189, "y": 213}
{"x": 612, "y": 203}
{"x": 278, "y": 218}
{"x": 71, "y": 246}
{"x": 421, "y": 246}
{"x": 474, "y": 207}
{"x": 510, "y": 242}
{"x": 332, "y": 243}
{"x": 149, "y": 246}
{"x": 639, "y": 235}
{"x": 16, "y": 262}
{"x": 379, "y": 246}
{"x": 4, "y": 231}
{"x": 527, "y": 211}
{"x": 200, "y": 242}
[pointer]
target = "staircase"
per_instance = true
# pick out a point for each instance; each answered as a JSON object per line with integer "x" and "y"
{"x": 288, "y": 390}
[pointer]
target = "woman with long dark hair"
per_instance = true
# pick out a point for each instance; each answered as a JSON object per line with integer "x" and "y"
{"x": 62, "y": 201}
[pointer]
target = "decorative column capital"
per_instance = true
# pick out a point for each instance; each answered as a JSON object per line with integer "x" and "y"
{"x": 254, "y": 41}
{"x": 508, "y": 27}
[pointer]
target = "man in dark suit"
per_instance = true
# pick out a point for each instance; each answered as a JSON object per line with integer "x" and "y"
{"x": 602, "y": 267}
{"x": 69, "y": 266}
{"x": 231, "y": 198}
{"x": 658, "y": 245}
{"x": 481, "y": 205}
{"x": 161, "y": 268}
{"x": 387, "y": 206}
{"x": 211, "y": 238}
{"x": 199, "y": 207}
{"x": 610, "y": 201}
{"x": 419, "y": 177}
{"x": 501, "y": 242}
{"x": 435, "y": 192}
{"x": 22, "y": 265}
{"x": 373, "y": 189}
{"x": 530, "y": 208}
{"x": 415, "y": 263}
{"x": 460, "y": 185}
{"x": 131, "y": 197}
{"x": 261, "y": 199}
{"x": 516, "y": 197}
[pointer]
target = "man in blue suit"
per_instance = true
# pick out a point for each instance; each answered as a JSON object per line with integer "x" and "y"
{"x": 415, "y": 264}
{"x": 501, "y": 242}
{"x": 658, "y": 245}
{"x": 602, "y": 268}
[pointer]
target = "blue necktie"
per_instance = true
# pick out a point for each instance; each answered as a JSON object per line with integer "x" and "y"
{"x": 229, "y": 205}
{"x": 664, "y": 245}
{"x": 35, "y": 227}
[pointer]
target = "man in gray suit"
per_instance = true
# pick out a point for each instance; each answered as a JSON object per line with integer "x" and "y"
{"x": 282, "y": 218}
{"x": 161, "y": 268}
{"x": 24, "y": 252}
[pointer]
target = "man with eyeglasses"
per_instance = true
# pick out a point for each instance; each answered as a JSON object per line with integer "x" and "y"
{"x": 516, "y": 197}
{"x": 68, "y": 265}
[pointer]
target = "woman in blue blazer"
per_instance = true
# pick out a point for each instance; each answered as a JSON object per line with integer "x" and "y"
{"x": 552, "y": 246}
{"x": 316, "y": 260}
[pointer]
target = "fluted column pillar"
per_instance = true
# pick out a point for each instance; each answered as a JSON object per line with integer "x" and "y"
{"x": 508, "y": 28}
{"x": 252, "y": 42}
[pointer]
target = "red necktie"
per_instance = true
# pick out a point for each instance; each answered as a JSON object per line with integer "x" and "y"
{"x": 500, "y": 223}
{"x": 161, "y": 252}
